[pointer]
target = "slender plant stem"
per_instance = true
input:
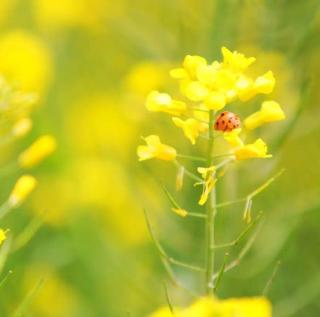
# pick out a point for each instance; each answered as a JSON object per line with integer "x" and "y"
{"x": 211, "y": 212}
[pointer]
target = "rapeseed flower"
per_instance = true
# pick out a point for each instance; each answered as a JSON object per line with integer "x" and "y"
{"x": 155, "y": 149}
{"x": 191, "y": 127}
{"x": 258, "y": 149}
{"x": 3, "y": 236}
{"x": 270, "y": 111}
{"x": 209, "y": 307}
{"x": 25, "y": 59}
{"x": 21, "y": 190}
{"x": 162, "y": 102}
{"x": 38, "y": 151}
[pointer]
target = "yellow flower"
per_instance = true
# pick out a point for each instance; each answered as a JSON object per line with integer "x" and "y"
{"x": 247, "y": 88}
{"x": 233, "y": 138}
{"x": 146, "y": 76}
{"x": 55, "y": 15}
{"x": 22, "y": 127}
{"x": 191, "y": 127}
{"x": 209, "y": 307}
{"x": 207, "y": 74}
{"x": 208, "y": 174}
{"x": 3, "y": 236}
{"x": 235, "y": 61}
{"x": 258, "y": 149}
{"x": 270, "y": 111}
{"x": 162, "y": 102}
{"x": 264, "y": 84}
{"x": 162, "y": 312}
{"x": 215, "y": 100}
{"x": 38, "y": 151}
{"x": 194, "y": 90}
{"x": 22, "y": 189}
{"x": 55, "y": 287}
{"x": 155, "y": 149}
{"x": 246, "y": 307}
{"x": 191, "y": 65}
{"x": 26, "y": 60}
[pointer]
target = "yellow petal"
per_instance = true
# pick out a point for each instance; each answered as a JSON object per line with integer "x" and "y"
{"x": 265, "y": 83}
{"x": 191, "y": 64}
{"x": 3, "y": 236}
{"x": 179, "y": 73}
{"x": 155, "y": 149}
{"x": 215, "y": 101}
{"x": 258, "y": 149}
{"x": 162, "y": 102}
{"x": 191, "y": 127}
{"x": 237, "y": 62}
{"x": 194, "y": 90}
{"x": 233, "y": 138}
{"x": 270, "y": 111}
{"x": 245, "y": 88}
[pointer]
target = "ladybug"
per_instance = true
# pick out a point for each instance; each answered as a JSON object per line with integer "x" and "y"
{"x": 227, "y": 121}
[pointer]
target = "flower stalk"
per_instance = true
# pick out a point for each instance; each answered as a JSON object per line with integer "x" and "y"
{"x": 211, "y": 213}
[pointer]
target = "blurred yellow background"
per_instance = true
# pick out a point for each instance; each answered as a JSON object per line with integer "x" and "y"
{"x": 92, "y": 64}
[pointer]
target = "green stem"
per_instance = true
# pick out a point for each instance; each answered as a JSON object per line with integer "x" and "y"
{"x": 211, "y": 212}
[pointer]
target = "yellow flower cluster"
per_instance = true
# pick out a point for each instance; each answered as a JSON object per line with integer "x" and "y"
{"x": 212, "y": 87}
{"x": 209, "y": 307}
{"x": 207, "y": 89}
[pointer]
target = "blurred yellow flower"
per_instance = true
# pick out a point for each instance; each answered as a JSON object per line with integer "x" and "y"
{"x": 145, "y": 77}
{"x": 258, "y": 149}
{"x": 162, "y": 102}
{"x": 38, "y": 151}
{"x": 22, "y": 189}
{"x": 54, "y": 200}
{"x": 54, "y": 287}
{"x": 98, "y": 123}
{"x": 155, "y": 149}
{"x": 208, "y": 174}
{"x": 91, "y": 178}
{"x": 56, "y": 15}
{"x": 211, "y": 307}
{"x": 191, "y": 127}
{"x": 26, "y": 60}
{"x": 3, "y": 236}
{"x": 270, "y": 111}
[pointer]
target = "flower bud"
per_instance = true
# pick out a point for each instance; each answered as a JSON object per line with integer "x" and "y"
{"x": 21, "y": 190}
{"x": 38, "y": 151}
